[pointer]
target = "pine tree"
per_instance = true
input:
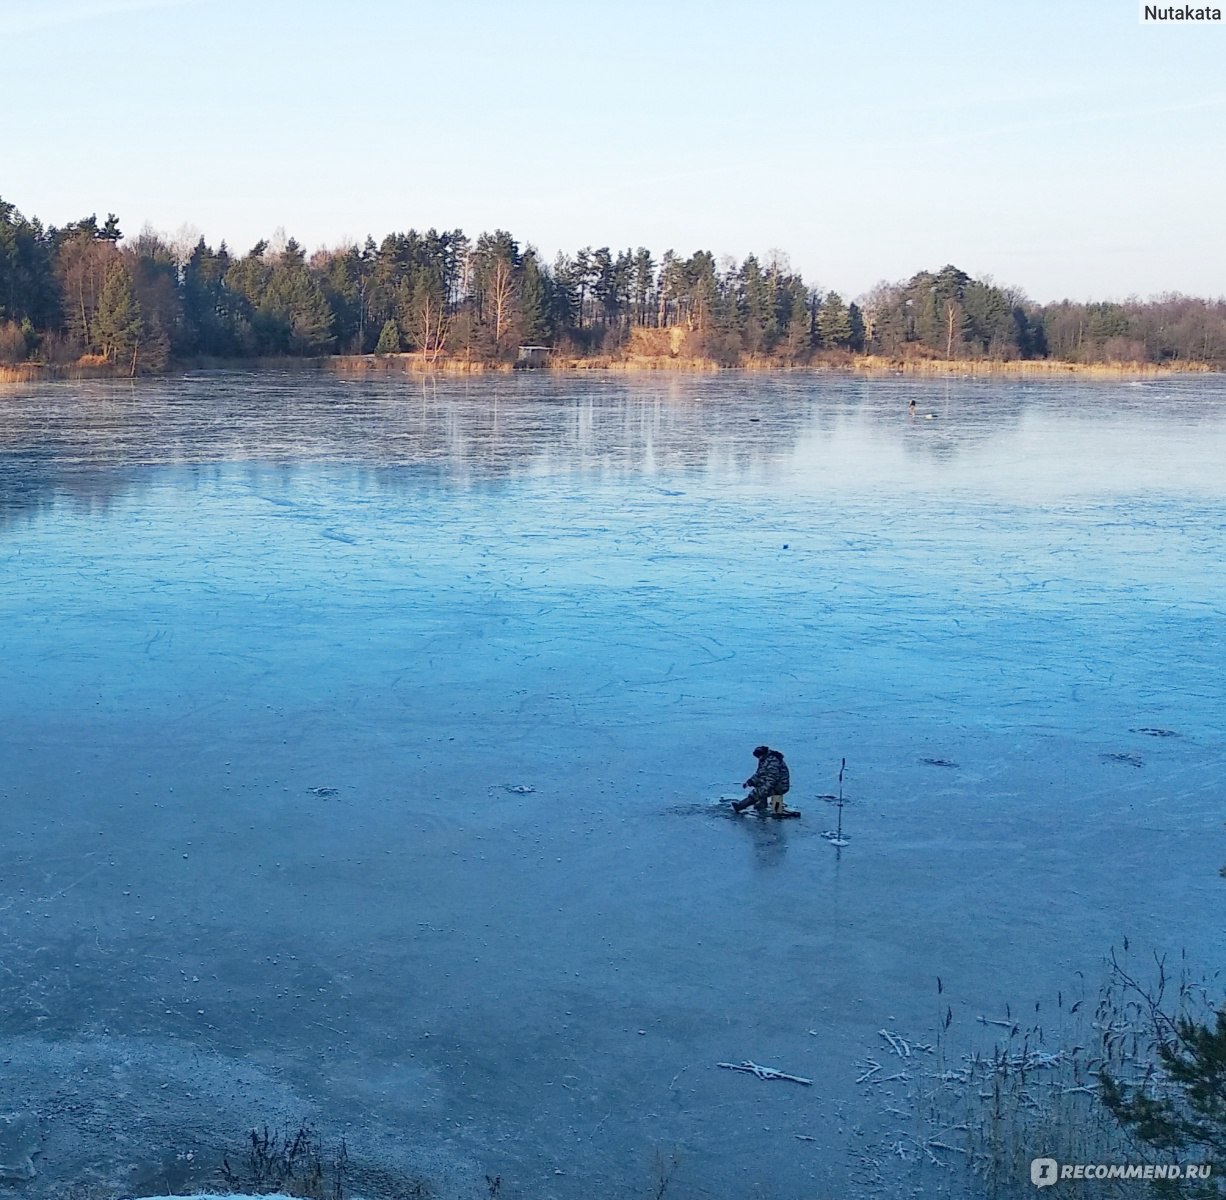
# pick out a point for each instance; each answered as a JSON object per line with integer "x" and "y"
{"x": 208, "y": 304}
{"x": 341, "y": 275}
{"x": 834, "y": 322}
{"x": 799, "y": 340}
{"x": 672, "y": 290}
{"x": 117, "y": 326}
{"x": 564, "y": 295}
{"x": 28, "y": 288}
{"x": 535, "y": 301}
{"x": 642, "y": 284}
{"x": 295, "y": 317}
{"x": 756, "y": 307}
{"x": 855, "y": 319}
{"x": 703, "y": 290}
{"x": 496, "y": 263}
{"x": 389, "y": 338}
{"x": 1178, "y": 1106}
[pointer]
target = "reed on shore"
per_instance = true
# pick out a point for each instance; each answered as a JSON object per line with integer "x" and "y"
{"x": 421, "y": 364}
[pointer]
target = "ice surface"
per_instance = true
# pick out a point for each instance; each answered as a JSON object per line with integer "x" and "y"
{"x": 19, "y": 1143}
{"x": 362, "y": 745}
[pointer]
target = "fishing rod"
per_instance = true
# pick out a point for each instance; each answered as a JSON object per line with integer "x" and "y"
{"x": 836, "y": 838}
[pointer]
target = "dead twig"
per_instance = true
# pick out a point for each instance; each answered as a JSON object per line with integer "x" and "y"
{"x": 873, "y": 1068}
{"x": 752, "y": 1068}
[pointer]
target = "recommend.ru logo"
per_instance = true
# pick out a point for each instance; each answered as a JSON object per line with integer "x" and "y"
{"x": 1046, "y": 1171}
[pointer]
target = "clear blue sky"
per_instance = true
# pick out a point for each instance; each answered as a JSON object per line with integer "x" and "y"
{"x": 1057, "y": 145}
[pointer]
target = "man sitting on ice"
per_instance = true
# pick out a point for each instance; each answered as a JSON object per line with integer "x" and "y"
{"x": 770, "y": 783}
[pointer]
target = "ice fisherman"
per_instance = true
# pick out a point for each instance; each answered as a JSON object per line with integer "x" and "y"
{"x": 770, "y": 782}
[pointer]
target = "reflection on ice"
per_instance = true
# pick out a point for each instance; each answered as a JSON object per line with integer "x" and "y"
{"x": 363, "y": 744}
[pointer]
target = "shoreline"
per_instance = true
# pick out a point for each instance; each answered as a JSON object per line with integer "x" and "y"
{"x": 413, "y": 364}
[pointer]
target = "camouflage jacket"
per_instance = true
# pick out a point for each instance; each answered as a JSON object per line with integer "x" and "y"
{"x": 771, "y": 778}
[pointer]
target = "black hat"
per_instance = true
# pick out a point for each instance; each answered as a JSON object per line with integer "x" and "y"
{"x": 761, "y": 751}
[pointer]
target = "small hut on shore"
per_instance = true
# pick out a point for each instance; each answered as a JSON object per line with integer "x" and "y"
{"x": 533, "y": 356}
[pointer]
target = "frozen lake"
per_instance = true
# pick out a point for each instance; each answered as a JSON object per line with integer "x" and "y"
{"x": 362, "y": 741}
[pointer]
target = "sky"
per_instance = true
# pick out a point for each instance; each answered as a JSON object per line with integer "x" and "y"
{"x": 1058, "y": 146}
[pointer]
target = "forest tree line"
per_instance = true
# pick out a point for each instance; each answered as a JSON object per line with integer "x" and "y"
{"x": 84, "y": 291}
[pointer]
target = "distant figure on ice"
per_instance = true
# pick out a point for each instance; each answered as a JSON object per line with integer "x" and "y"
{"x": 770, "y": 782}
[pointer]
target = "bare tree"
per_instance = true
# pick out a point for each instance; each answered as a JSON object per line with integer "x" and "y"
{"x": 502, "y": 296}
{"x": 426, "y": 320}
{"x": 183, "y": 244}
{"x": 82, "y": 267}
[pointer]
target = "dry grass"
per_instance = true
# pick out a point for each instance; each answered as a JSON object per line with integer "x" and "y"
{"x": 1027, "y": 367}
{"x": 88, "y": 366}
{"x": 635, "y": 362}
{"x": 297, "y": 1165}
{"x": 407, "y": 364}
{"x": 646, "y": 354}
{"x": 974, "y": 1108}
{"x": 21, "y": 373}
